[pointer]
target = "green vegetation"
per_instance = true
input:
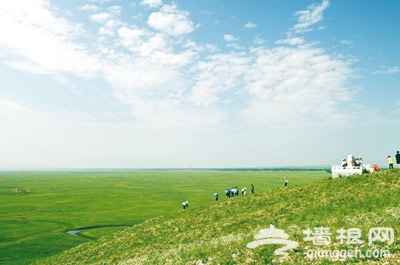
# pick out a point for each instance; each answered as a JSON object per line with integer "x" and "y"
{"x": 38, "y": 208}
{"x": 217, "y": 233}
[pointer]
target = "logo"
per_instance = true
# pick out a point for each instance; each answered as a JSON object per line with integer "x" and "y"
{"x": 322, "y": 236}
{"x": 274, "y": 236}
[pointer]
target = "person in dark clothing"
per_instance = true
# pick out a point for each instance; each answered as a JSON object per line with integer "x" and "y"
{"x": 252, "y": 188}
{"x": 397, "y": 156}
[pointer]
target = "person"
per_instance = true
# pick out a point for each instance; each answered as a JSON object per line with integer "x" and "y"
{"x": 375, "y": 167}
{"x": 234, "y": 191}
{"x": 286, "y": 182}
{"x": 187, "y": 204}
{"x": 390, "y": 162}
{"x": 397, "y": 159}
{"x": 244, "y": 191}
{"x": 183, "y": 205}
{"x": 216, "y": 196}
{"x": 344, "y": 163}
{"x": 252, "y": 188}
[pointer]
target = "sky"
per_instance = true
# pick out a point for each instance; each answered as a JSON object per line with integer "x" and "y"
{"x": 198, "y": 84}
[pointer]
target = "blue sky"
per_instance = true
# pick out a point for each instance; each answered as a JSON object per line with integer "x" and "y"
{"x": 187, "y": 83}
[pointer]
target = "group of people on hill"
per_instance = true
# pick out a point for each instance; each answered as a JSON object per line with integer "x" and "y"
{"x": 233, "y": 192}
{"x": 359, "y": 163}
{"x": 390, "y": 162}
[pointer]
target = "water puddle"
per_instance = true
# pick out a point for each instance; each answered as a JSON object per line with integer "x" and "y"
{"x": 77, "y": 231}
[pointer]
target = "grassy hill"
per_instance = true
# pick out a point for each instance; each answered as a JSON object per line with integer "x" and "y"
{"x": 218, "y": 234}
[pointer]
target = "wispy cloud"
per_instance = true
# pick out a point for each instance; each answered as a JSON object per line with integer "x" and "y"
{"x": 296, "y": 87}
{"x": 387, "y": 70}
{"x": 346, "y": 42}
{"x": 291, "y": 41}
{"x": 306, "y": 19}
{"x": 310, "y": 16}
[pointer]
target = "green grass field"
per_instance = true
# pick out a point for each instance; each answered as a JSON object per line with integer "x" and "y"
{"x": 218, "y": 232}
{"x": 37, "y": 208}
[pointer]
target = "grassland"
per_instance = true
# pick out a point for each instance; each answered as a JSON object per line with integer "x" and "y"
{"x": 37, "y": 208}
{"x": 218, "y": 233}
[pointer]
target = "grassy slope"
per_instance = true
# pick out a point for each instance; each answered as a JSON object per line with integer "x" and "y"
{"x": 218, "y": 234}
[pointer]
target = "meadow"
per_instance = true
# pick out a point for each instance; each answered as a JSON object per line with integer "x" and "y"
{"x": 38, "y": 208}
{"x": 346, "y": 210}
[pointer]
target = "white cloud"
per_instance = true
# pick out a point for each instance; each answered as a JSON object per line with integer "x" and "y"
{"x": 218, "y": 74}
{"x": 155, "y": 80}
{"x": 42, "y": 42}
{"x": 109, "y": 20}
{"x": 310, "y": 16}
{"x": 152, "y": 3}
{"x": 296, "y": 88}
{"x": 250, "y": 25}
{"x": 229, "y": 38}
{"x": 155, "y": 48}
{"x": 100, "y": 17}
{"x": 100, "y": 1}
{"x": 171, "y": 21}
{"x": 132, "y": 38}
{"x": 171, "y": 85}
